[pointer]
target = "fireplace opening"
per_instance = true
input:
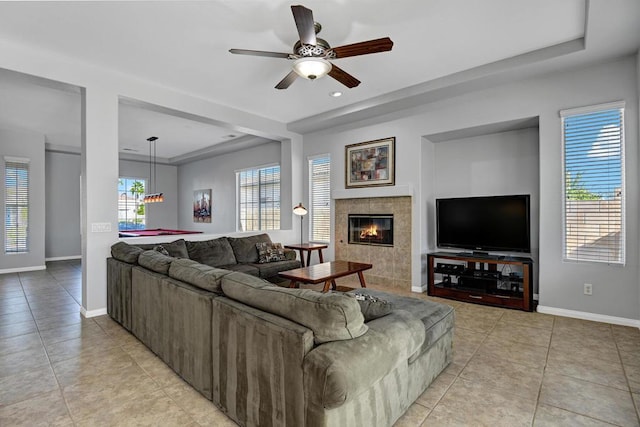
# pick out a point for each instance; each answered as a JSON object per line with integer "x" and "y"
{"x": 376, "y": 229}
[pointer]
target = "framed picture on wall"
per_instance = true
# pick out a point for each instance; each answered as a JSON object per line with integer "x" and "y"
{"x": 370, "y": 163}
{"x": 202, "y": 206}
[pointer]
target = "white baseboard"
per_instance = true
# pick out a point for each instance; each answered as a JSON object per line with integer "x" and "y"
{"x": 589, "y": 316}
{"x": 23, "y": 269}
{"x": 92, "y": 313}
{"x": 63, "y": 258}
{"x": 419, "y": 289}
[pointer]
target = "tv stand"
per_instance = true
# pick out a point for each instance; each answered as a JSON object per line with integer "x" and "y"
{"x": 477, "y": 254}
{"x": 484, "y": 279}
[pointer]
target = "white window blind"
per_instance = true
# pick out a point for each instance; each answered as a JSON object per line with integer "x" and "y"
{"x": 594, "y": 200}
{"x": 16, "y": 223}
{"x": 259, "y": 199}
{"x": 320, "y": 196}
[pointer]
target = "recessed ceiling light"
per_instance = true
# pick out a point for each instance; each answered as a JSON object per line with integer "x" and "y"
{"x": 335, "y": 94}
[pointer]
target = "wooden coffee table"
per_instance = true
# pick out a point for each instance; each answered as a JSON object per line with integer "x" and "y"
{"x": 326, "y": 272}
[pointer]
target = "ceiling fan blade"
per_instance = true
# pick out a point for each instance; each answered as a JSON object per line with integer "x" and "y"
{"x": 260, "y": 53}
{"x": 363, "y": 48}
{"x": 304, "y": 23}
{"x": 343, "y": 77}
{"x": 286, "y": 82}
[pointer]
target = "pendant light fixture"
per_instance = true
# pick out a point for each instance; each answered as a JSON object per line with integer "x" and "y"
{"x": 154, "y": 197}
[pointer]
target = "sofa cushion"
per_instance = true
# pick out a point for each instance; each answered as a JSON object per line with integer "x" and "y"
{"x": 436, "y": 318}
{"x": 125, "y": 252}
{"x": 243, "y": 268}
{"x": 331, "y": 316}
{"x": 270, "y": 252}
{"x": 155, "y": 261}
{"x": 271, "y": 269}
{"x": 214, "y": 252}
{"x": 338, "y": 372}
{"x": 177, "y": 249}
{"x": 244, "y": 248}
{"x": 199, "y": 275}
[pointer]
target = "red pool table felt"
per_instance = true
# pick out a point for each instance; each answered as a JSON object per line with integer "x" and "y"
{"x": 155, "y": 232}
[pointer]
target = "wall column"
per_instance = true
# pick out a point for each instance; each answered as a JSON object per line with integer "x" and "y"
{"x": 99, "y": 189}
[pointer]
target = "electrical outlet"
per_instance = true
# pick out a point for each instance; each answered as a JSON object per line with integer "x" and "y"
{"x": 588, "y": 289}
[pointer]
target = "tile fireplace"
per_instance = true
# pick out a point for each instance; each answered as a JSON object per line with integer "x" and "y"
{"x": 391, "y": 260}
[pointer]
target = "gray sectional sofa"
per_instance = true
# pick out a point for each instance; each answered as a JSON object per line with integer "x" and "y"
{"x": 273, "y": 356}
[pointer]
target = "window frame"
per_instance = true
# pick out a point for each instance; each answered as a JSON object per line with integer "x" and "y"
{"x": 145, "y": 184}
{"x": 21, "y": 246}
{"x": 261, "y": 221}
{"x": 312, "y": 209}
{"x": 564, "y": 114}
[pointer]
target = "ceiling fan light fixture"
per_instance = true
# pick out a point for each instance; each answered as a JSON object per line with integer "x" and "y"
{"x": 312, "y": 68}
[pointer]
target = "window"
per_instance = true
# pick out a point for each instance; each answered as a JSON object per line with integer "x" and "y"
{"x": 131, "y": 209}
{"x": 259, "y": 199}
{"x": 16, "y": 189}
{"x": 320, "y": 198}
{"x": 594, "y": 201}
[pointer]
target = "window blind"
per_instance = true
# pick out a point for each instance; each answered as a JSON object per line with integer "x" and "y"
{"x": 320, "y": 195}
{"x": 259, "y": 199}
{"x": 16, "y": 206}
{"x": 594, "y": 201}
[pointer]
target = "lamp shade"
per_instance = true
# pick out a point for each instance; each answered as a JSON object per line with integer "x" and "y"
{"x": 311, "y": 68}
{"x": 300, "y": 209}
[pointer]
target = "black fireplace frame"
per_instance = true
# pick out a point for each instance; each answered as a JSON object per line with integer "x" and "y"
{"x": 370, "y": 242}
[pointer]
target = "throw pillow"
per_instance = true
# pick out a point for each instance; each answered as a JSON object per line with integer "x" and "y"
{"x": 372, "y": 307}
{"x": 161, "y": 249}
{"x": 270, "y": 252}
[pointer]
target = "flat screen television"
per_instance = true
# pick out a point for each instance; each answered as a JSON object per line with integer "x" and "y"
{"x": 483, "y": 224}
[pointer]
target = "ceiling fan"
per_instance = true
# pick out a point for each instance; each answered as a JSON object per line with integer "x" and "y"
{"x": 311, "y": 54}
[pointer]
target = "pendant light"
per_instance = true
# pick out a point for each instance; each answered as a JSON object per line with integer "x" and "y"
{"x": 154, "y": 197}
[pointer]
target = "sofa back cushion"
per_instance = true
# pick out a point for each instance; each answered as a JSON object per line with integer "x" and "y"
{"x": 155, "y": 261}
{"x": 331, "y": 316}
{"x": 176, "y": 249}
{"x": 215, "y": 252}
{"x": 245, "y": 249}
{"x": 125, "y": 252}
{"x": 199, "y": 275}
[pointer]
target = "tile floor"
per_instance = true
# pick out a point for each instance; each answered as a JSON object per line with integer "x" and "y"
{"x": 510, "y": 368}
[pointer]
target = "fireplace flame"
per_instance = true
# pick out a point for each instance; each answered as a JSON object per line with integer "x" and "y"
{"x": 369, "y": 232}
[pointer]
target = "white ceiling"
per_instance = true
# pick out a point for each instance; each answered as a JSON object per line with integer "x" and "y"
{"x": 184, "y": 45}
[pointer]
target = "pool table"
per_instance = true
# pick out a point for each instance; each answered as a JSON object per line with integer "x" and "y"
{"x": 155, "y": 232}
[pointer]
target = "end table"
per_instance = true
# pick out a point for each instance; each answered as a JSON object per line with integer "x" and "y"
{"x": 308, "y": 248}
